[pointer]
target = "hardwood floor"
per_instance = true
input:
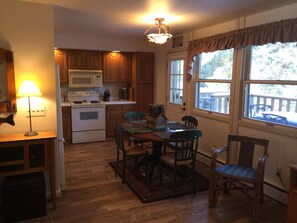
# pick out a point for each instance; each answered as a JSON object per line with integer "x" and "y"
{"x": 94, "y": 194}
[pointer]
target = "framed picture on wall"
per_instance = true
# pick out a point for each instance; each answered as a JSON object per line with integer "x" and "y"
{"x": 177, "y": 41}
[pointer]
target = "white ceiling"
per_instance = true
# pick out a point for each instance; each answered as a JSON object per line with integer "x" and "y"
{"x": 130, "y": 18}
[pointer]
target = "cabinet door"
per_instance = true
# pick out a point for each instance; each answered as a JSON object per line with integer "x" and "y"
{"x": 110, "y": 68}
{"x": 61, "y": 60}
{"x": 66, "y": 121}
{"x": 93, "y": 60}
{"x": 144, "y": 67}
{"x": 113, "y": 114}
{"x": 76, "y": 59}
{"x": 124, "y": 64}
{"x": 144, "y": 96}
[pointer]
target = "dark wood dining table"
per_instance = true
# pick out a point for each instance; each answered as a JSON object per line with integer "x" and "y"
{"x": 142, "y": 132}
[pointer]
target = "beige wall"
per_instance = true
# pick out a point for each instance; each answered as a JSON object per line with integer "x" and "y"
{"x": 27, "y": 30}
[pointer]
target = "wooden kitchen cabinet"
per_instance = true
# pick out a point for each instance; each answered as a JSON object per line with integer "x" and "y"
{"x": 61, "y": 60}
{"x": 21, "y": 154}
{"x": 143, "y": 80}
{"x": 115, "y": 113}
{"x": 117, "y": 67}
{"x": 84, "y": 60}
{"x": 66, "y": 121}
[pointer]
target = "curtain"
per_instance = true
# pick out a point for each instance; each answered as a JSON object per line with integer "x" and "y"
{"x": 282, "y": 31}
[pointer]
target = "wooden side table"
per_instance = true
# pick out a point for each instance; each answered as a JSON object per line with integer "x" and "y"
{"x": 21, "y": 154}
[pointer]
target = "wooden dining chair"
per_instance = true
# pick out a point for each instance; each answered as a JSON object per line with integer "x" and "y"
{"x": 132, "y": 117}
{"x": 183, "y": 156}
{"x": 245, "y": 173}
{"x": 126, "y": 151}
{"x": 189, "y": 121}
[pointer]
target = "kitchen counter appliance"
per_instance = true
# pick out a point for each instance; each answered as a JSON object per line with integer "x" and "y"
{"x": 123, "y": 94}
{"x": 88, "y": 116}
{"x": 85, "y": 78}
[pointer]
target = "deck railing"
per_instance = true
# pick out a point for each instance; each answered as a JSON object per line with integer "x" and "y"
{"x": 283, "y": 104}
{"x": 219, "y": 102}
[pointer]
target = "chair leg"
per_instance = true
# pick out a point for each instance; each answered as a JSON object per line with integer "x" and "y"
{"x": 161, "y": 173}
{"x": 175, "y": 194}
{"x": 146, "y": 166}
{"x": 194, "y": 177}
{"x": 124, "y": 170}
{"x": 258, "y": 197}
{"x": 117, "y": 165}
{"x": 211, "y": 191}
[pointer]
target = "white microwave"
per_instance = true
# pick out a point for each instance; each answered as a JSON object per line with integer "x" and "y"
{"x": 85, "y": 78}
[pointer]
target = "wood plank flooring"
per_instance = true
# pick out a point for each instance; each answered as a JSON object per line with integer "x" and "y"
{"x": 94, "y": 194}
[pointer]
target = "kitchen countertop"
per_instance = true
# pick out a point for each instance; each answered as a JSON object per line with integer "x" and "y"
{"x": 119, "y": 102}
{"x": 65, "y": 104}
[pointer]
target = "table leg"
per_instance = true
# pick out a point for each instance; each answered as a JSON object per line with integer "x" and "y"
{"x": 157, "y": 153}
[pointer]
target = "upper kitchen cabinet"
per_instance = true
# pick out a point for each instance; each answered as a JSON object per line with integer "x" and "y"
{"x": 143, "y": 80}
{"x": 84, "y": 60}
{"x": 117, "y": 67}
{"x": 61, "y": 60}
{"x": 143, "y": 67}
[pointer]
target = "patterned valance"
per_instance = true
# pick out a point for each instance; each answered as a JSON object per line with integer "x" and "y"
{"x": 282, "y": 31}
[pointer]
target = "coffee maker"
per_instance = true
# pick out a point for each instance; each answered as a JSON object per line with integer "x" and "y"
{"x": 123, "y": 94}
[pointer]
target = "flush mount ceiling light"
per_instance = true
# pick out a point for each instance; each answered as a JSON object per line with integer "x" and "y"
{"x": 158, "y": 33}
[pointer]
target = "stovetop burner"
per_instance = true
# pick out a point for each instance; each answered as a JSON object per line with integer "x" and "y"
{"x": 77, "y": 102}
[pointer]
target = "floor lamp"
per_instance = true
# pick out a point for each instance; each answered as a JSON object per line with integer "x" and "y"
{"x": 28, "y": 89}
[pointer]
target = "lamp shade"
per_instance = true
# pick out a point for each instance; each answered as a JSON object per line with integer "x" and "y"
{"x": 28, "y": 88}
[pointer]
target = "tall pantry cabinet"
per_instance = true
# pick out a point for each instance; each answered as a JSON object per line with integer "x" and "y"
{"x": 143, "y": 79}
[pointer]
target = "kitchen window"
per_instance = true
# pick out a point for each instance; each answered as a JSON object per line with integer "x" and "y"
{"x": 213, "y": 81}
{"x": 271, "y": 84}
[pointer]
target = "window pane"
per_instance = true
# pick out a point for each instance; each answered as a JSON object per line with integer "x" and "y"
{"x": 271, "y": 103}
{"x": 216, "y": 65}
{"x": 213, "y": 96}
{"x": 176, "y": 81}
{"x": 274, "y": 62}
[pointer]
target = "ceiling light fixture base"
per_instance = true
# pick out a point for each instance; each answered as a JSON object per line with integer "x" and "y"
{"x": 158, "y": 33}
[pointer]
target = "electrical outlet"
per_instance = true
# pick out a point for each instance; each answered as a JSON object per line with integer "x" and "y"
{"x": 279, "y": 171}
{"x": 37, "y": 111}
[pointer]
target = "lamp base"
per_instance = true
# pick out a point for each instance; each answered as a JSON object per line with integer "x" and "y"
{"x": 31, "y": 133}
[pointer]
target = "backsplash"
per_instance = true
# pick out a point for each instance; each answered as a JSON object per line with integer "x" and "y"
{"x": 113, "y": 89}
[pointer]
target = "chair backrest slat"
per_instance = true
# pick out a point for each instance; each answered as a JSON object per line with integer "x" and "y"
{"x": 190, "y": 121}
{"x": 247, "y": 147}
{"x": 134, "y": 116}
{"x": 186, "y": 144}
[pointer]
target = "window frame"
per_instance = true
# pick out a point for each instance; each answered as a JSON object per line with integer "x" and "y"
{"x": 246, "y": 81}
{"x": 196, "y": 65}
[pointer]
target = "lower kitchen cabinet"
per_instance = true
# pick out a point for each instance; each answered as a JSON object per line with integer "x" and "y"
{"x": 66, "y": 119}
{"x": 115, "y": 113}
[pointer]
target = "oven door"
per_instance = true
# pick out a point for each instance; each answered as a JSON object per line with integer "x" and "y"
{"x": 88, "y": 118}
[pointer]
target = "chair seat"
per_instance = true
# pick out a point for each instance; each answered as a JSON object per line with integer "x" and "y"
{"x": 134, "y": 150}
{"x": 169, "y": 159}
{"x": 237, "y": 171}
